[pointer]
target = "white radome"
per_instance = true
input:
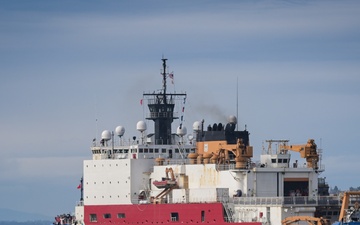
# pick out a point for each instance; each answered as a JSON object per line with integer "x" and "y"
{"x": 196, "y": 126}
{"x": 232, "y": 119}
{"x": 120, "y": 130}
{"x": 181, "y": 131}
{"x": 106, "y": 135}
{"x": 141, "y": 126}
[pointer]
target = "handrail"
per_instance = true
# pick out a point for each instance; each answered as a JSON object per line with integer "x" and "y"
{"x": 302, "y": 200}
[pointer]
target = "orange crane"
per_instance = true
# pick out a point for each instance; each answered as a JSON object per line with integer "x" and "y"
{"x": 309, "y": 219}
{"x": 307, "y": 151}
{"x": 345, "y": 204}
{"x": 166, "y": 183}
{"x": 242, "y": 153}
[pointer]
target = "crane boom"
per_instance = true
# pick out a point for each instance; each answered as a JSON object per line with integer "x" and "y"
{"x": 345, "y": 203}
{"x": 307, "y": 151}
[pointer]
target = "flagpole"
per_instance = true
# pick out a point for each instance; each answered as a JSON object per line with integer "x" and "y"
{"x": 237, "y": 103}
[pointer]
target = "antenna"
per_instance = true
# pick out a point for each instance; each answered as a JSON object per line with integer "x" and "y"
{"x": 237, "y": 102}
{"x": 164, "y": 76}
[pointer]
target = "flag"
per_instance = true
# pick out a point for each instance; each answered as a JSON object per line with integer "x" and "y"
{"x": 141, "y": 101}
{"x": 79, "y": 186}
{"x": 171, "y": 76}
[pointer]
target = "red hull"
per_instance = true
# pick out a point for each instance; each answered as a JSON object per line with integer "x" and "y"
{"x": 158, "y": 214}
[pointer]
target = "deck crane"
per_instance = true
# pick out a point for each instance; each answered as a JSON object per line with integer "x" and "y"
{"x": 352, "y": 215}
{"x": 241, "y": 152}
{"x": 307, "y": 151}
{"x": 167, "y": 183}
{"x": 309, "y": 219}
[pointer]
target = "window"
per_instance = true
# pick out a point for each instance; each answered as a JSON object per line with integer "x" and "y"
{"x": 93, "y": 218}
{"x": 202, "y": 216}
{"x": 121, "y": 215}
{"x": 174, "y": 216}
{"x": 163, "y": 150}
{"x": 107, "y": 216}
{"x": 273, "y": 160}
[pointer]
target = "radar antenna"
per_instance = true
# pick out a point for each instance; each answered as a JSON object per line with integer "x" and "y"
{"x": 161, "y": 106}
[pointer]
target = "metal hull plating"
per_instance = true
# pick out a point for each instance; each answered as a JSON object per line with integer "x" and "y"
{"x": 158, "y": 214}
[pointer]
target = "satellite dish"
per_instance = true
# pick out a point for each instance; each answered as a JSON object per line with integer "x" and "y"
{"x": 181, "y": 131}
{"x": 106, "y": 135}
{"x": 196, "y": 126}
{"x": 232, "y": 119}
{"x": 141, "y": 126}
{"x": 190, "y": 137}
{"x": 120, "y": 130}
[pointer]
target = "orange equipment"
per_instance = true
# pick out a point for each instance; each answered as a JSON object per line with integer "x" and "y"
{"x": 307, "y": 151}
{"x": 310, "y": 220}
{"x": 220, "y": 153}
{"x": 345, "y": 203}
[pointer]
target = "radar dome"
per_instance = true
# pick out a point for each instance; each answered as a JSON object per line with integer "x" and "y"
{"x": 196, "y": 126}
{"x": 141, "y": 126}
{"x": 232, "y": 119}
{"x": 190, "y": 137}
{"x": 181, "y": 131}
{"x": 106, "y": 135}
{"x": 119, "y": 130}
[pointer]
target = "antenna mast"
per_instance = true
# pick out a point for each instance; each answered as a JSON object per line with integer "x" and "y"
{"x": 237, "y": 103}
{"x": 164, "y": 78}
{"x": 161, "y": 106}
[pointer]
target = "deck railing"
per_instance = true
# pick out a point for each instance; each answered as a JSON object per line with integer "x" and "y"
{"x": 300, "y": 200}
{"x": 269, "y": 201}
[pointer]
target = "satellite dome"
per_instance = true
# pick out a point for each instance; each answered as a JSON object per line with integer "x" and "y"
{"x": 232, "y": 119}
{"x": 141, "y": 126}
{"x": 190, "y": 137}
{"x": 106, "y": 135}
{"x": 181, "y": 131}
{"x": 196, "y": 126}
{"x": 119, "y": 130}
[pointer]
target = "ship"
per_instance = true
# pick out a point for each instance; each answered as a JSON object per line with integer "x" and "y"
{"x": 207, "y": 176}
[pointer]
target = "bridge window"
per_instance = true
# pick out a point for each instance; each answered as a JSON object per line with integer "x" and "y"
{"x": 93, "y": 218}
{"x": 202, "y": 216}
{"x": 174, "y": 216}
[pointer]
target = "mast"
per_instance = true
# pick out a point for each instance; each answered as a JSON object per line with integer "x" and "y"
{"x": 161, "y": 106}
{"x": 164, "y": 78}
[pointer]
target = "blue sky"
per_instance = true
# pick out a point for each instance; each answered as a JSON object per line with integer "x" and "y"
{"x": 70, "y": 69}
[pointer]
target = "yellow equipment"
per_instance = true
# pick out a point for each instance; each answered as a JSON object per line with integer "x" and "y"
{"x": 219, "y": 151}
{"x": 307, "y": 151}
{"x": 310, "y": 220}
{"x": 345, "y": 203}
